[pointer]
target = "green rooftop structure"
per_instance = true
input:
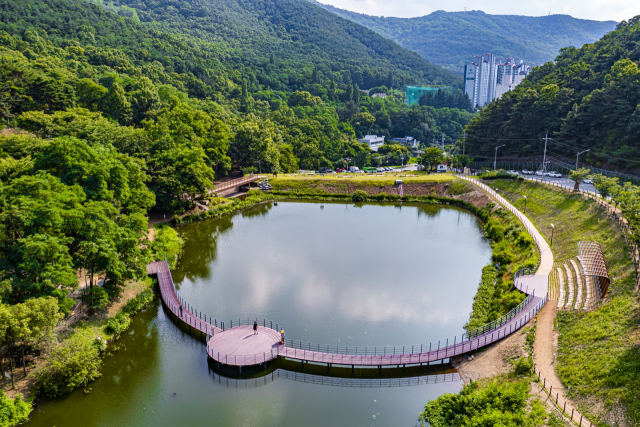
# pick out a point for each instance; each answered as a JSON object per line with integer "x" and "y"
{"x": 413, "y": 93}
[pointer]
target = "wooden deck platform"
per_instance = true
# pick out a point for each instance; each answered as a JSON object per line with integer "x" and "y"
{"x": 239, "y": 347}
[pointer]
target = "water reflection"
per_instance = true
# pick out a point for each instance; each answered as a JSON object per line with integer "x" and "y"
{"x": 335, "y": 381}
{"x": 376, "y": 275}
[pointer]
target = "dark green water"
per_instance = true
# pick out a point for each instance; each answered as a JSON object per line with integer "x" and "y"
{"x": 332, "y": 273}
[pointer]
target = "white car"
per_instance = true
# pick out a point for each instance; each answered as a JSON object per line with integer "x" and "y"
{"x": 525, "y": 172}
{"x": 587, "y": 181}
{"x": 539, "y": 173}
{"x": 513, "y": 173}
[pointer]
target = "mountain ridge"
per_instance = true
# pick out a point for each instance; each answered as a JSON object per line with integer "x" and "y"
{"x": 450, "y": 39}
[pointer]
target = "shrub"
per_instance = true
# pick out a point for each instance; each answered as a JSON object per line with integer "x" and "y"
{"x": 494, "y": 230}
{"x": 359, "y": 196}
{"x": 118, "y": 324}
{"x": 13, "y": 411}
{"x": 502, "y": 253}
{"x": 382, "y": 197}
{"x": 139, "y": 302}
{"x": 523, "y": 366}
{"x": 75, "y": 362}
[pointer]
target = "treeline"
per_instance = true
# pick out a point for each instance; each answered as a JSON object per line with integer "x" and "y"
{"x": 587, "y": 98}
{"x": 446, "y": 99}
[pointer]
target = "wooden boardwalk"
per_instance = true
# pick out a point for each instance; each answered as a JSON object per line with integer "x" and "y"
{"x": 238, "y": 346}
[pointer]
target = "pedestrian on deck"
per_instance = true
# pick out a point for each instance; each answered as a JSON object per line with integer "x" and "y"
{"x": 180, "y": 310}
{"x": 282, "y": 336}
{"x": 255, "y": 328}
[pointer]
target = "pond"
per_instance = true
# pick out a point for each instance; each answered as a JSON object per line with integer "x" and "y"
{"x": 330, "y": 273}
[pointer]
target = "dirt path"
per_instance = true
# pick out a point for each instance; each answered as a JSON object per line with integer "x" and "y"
{"x": 546, "y": 346}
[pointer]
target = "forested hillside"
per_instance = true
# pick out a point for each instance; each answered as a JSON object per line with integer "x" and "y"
{"x": 278, "y": 43}
{"x": 450, "y": 39}
{"x": 105, "y": 118}
{"x": 588, "y": 99}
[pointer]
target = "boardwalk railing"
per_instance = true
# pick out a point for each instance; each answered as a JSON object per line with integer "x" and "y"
{"x": 236, "y": 182}
{"x": 379, "y": 356}
{"x": 499, "y": 322}
{"x": 242, "y": 360}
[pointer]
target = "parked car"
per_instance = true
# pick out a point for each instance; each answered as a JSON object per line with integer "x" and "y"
{"x": 526, "y": 172}
{"x": 587, "y": 181}
{"x": 513, "y": 173}
{"x": 539, "y": 173}
{"x": 555, "y": 174}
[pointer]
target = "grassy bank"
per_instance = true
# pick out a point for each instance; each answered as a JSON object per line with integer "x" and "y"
{"x": 599, "y": 350}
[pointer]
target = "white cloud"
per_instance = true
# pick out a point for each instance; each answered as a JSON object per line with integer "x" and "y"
{"x": 600, "y": 10}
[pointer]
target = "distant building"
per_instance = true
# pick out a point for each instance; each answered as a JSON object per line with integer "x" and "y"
{"x": 486, "y": 79}
{"x": 407, "y": 141}
{"x": 374, "y": 141}
{"x": 379, "y": 95}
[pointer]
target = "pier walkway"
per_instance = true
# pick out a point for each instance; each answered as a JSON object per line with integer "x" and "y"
{"x": 233, "y": 342}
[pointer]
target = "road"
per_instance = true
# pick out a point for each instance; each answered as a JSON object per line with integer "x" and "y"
{"x": 564, "y": 181}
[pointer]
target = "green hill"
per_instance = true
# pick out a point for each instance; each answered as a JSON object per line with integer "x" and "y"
{"x": 450, "y": 39}
{"x": 589, "y": 98}
{"x": 279, "y": 39}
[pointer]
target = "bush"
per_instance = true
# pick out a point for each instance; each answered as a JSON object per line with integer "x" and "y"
{"x": 75, "y": 362}
{"x": 139, "y": 302}
{"x": 13, "y": 411}
{"x": 359, "y": 196}
{"x": 118, "y": 324}
{"x": 494, "y": 230}
{"x": 502, "y": 253}
{"x": 523, "y": 366}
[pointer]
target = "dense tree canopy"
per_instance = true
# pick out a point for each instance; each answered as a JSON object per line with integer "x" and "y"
{"x": 588, "y": 98}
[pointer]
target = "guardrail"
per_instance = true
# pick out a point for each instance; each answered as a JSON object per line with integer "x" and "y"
{"x": 242, "y": 360}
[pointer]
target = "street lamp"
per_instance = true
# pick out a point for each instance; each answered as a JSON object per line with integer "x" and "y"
{"x": 525, "y": 203}
{"x": 553, "y": 228}
{"x": 495, "y": 160}
{"x": 347, "y": 160}
{"x": 260, "y": 167}
{"x": 578, "y": 155}
{"x": 402, "y": 160}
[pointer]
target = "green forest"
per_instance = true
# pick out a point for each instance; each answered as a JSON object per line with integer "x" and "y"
{"x": 589, "y": 98}
{"x": 106, "y": 118}
{"x": 451, "y": 39}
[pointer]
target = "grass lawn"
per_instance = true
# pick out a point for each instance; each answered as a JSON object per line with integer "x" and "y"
{"x": 387, "y": 178}
{"x": 599, "y": 350}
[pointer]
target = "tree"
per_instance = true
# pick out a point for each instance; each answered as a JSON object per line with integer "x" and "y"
{"x": 167, "y": 244}
{"x": 432, "y": 156}
{"x": 117, "y": 105}
{"x": 606, "y": 186}
{"x": 579, "y": 176}
{"x": 257, "y": 141}
{"x": 73, "y": 363}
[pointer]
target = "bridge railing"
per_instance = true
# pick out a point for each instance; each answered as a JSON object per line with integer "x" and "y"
{"x": 242, "y": 360}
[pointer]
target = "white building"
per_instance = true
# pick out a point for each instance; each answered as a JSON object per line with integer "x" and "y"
{"x": 407, "y": 141}
{"x": 374, "y": 141}
{"x": 486, "y": 79}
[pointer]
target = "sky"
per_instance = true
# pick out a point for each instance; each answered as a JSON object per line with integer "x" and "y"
{"x": 601, "y": 10}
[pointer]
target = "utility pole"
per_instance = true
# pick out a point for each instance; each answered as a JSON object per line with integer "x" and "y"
{"x": 495, "y": 160}
{"x": 402, "y": 159}
{"x": 442, "y": 141}
{"x": 578, "y": 155}
{"x": 544, "y": 157}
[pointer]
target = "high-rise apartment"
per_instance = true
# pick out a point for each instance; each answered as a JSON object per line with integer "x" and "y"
{"x": 487, "y": 79}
